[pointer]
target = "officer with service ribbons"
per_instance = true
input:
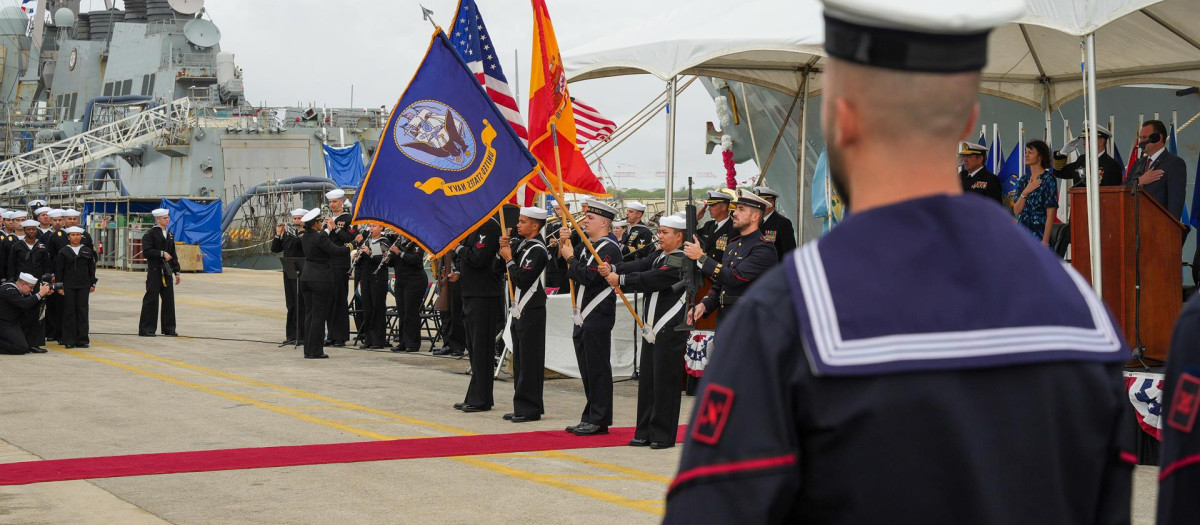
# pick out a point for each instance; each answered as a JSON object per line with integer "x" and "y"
{"x": 776, "y": 228}
{"x": 525, "y": 263}
{"x": 637, "y": 239}
{"x": 746, "y": 257}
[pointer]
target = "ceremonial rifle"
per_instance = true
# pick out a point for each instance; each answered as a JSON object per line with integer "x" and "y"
{"x": 690, "y": 271}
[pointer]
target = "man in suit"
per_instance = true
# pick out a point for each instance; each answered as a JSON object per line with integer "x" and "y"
{"x": 974, "y": 175}
{"x": 158, "y": 247}
{"x": 776, "y": 228}
{"x": 1111, "y": 171}
{"x": 1160, "y": 173}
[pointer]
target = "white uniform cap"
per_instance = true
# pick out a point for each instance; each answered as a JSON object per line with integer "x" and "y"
{"x": 19, "y": 214}
{"x": 28, "y": 278}
{"x": 674, "y": 222}
{"x": 9, "y": 214}
{"x": 30, "y": 223}
{"x": 620, "y": 224}
{"x": 1100, "y": 130}
{"x": 43, "y": 209}
{"x": 35, "y": 203}
{"x": 635, "y": 206}
{"x": 160, "y": 212}
{"x": 58, "y": 214}
{"x": 746, "y": 198}
{"x": 602, "y": 209}
{"x": 335, "y": 194}
{"x": 312, "y": 214}
{"x": 72, "y": 213}
{"x": 299, "y": 212}
{"x": 763, "y": 191}
{"x": 534, "y": 212}
{"x": 74, "y": 229}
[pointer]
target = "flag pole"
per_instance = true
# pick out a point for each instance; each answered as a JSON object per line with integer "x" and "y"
{"x": 588, "y": 244}
{"x": 563, "y": 212}
{"x": 507, "y": 275}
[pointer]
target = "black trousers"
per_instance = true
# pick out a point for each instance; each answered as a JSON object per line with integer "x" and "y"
{"x": 295, "y": 310}
{"x": 75, "y": 316}
{"x": 12, "y": 340}
{"x": 319, "y": 299}
{"x": 454, "y": 333}
{"x": 529, "y": 361}
{"x": 374, "y": 305}
{"x": 593, "y": 348}
{"x": 339, "y": 317}
{"x": 54, "y": 316}
{"x": 409, "y": 294}
{"x": 479, "y": 316}
{"x": 659, "y": 395}
{"x": 155, "y": 289}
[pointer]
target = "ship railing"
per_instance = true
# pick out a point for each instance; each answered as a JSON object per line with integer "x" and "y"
{"x": 78, "y": 150}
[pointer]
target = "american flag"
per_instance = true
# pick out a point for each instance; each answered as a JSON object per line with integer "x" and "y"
{"x": 590, "y": 124}
{"x": 470, "y": 38}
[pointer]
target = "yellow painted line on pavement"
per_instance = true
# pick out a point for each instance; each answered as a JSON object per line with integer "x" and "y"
{"x": 649, "y": 506}
{"x": 210, "y": 304}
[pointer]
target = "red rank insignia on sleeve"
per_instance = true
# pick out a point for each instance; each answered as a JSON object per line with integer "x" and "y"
{"x": 713, "y": 415}
{"x": 1184, "y": 403}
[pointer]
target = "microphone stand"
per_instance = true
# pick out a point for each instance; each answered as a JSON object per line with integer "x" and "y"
{"x": 1139, "y": 348}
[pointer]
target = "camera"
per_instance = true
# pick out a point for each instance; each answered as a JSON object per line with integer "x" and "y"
{"x": 48, "y": 278}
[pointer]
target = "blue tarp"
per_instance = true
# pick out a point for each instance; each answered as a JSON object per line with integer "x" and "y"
{"x": 196, "y": 223}
{"x": 345, "y": 165}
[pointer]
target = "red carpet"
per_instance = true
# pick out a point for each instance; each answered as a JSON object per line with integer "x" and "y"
{"x": 247, "y": 458}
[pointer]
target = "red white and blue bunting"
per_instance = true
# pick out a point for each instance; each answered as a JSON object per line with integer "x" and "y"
{"x": 1145, "y": 393}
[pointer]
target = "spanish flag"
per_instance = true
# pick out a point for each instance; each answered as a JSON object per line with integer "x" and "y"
{"x": 550, "y": 110}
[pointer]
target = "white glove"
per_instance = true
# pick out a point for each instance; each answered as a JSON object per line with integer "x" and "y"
{"x": 1071, "y": 147}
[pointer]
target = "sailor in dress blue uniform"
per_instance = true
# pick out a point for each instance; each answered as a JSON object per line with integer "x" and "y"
{"x": 873, "y": 377}
{"x": 1179, "y": 477}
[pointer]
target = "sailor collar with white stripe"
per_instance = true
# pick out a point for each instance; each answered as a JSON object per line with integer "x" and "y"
{"x": 937, "y": 313}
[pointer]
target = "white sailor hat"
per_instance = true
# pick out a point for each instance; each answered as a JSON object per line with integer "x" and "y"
{"x": 37, "y": 203}
{"x": 43, "y": 209}
{"x": 9, "y": 214}
{"x": 635, "y": 206}
{"x": 746, "y": 198}
{"x": 299, "y": 212}
{"x": 674, "y": 222}
{"x": 160, "y": 212}
{"x": 534, "y": 212}
{"x": 74, "y": 229}
{"x": 717, "y": 197}
{"x": 620, "y": 224}
{"x": 1100, "y": 130}
{"x": 17, "y": 214}
{"x": 29, "y": 223}
{"x": 57, "y": 214}
{"x": 335, "y": 194}
{"x": 72, "y": 213}
{"x": 971, "y": 148}
{"x": 601, "y": 209}
{"x": 28, "y": 278}
{"x": 312, "y": 214}
{"x": 932, "y": 36}
{"x": 763, "y": 191}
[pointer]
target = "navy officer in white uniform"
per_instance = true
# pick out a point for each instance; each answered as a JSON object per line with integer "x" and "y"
{"x": 872, "y": 377}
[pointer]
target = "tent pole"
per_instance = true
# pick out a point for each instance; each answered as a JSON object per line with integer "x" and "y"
{"x": 750, "y": 123}
{"x": 1093, "y": 182}
{"x": 671, "y": 110}
{"x": 802, "y": 159}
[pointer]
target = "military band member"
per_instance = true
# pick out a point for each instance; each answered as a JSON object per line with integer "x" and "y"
{"x": 556, "y": 269}
{"x": 482, "y": 284}
{"x": 776, "y": 228}
{"x": 371, "y": 273}
{"x": 827, "y": 391}
{"x": 287, "y": 242}
{"x": 20, "y": 306}
{"x": 975, "y": 176}
{"x": 75, "y": 271}
{"x": 595, "y": 314}
{"x": 746, "y": 258}
{"x": 526, "y": 261}
{"x": 637, "y": 240}
{"x": 317, "y": 280}
{"x": 619, "y": 228}
{"x": 716, "y": 233}
{"x": 343, "y": 233}
{"x": 408, "y": 258}
{"x": 658, "y": 276}
{"x": 158, "y": 247}
{"x": 454, "y": 337}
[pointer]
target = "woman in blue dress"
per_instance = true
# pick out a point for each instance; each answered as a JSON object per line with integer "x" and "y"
{"x": 1037, "y": 192}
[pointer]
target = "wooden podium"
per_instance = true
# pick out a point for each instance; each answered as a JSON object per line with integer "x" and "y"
{"x": 1161, "y": 262}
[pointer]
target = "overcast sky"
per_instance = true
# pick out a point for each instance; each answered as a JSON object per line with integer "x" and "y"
{"x": 313, "y": 51}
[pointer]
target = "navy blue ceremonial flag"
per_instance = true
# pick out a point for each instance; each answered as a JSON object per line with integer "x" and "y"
{"x": 447, "y": 159}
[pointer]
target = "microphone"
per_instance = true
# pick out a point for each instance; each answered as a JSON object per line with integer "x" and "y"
{"x": 1153, "y": 139}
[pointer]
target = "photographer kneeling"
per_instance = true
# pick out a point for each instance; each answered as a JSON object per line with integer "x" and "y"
{"x": 20, "y": 309}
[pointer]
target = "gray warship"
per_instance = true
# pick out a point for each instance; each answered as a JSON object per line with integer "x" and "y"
{"x": 111, "y": 111}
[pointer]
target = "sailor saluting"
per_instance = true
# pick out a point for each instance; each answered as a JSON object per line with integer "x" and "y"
{"x": 872, "y": 377}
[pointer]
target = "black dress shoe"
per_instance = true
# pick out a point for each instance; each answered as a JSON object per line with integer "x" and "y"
{"x": 572, "y": 428}
{"x": 518, "y": 418}
{"x": 171, "y": 334}
{"x": 68, "y": 346}
{"x": 289, "y": 342}
{"x": 508, "y": 416}
{"x": 82, "y": 345}
{"x": 638, "y": 442}
{"x": 327, "y": 342}
{"x": 364, "y": 346}
{"x": 397, "y": 349}
{"x": 475, "y": 408}
{"x": 378, "y": 347}
{"x": 37, "y": 350}
{"x": 659, "y": 445}
{"x": 440, "y": 351}
{"x": 588, "y": 429}
{"x": 144, "y": 334}
{"x": 457, "y": 353}
{"x": 322, "y": 356}
{"x": 459, "y": 406}
{"x": 412, "y": 350}
{"x": 338, "y": 344}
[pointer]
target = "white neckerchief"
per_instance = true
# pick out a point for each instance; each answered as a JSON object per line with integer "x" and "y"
{"x": 76, "y": 248}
